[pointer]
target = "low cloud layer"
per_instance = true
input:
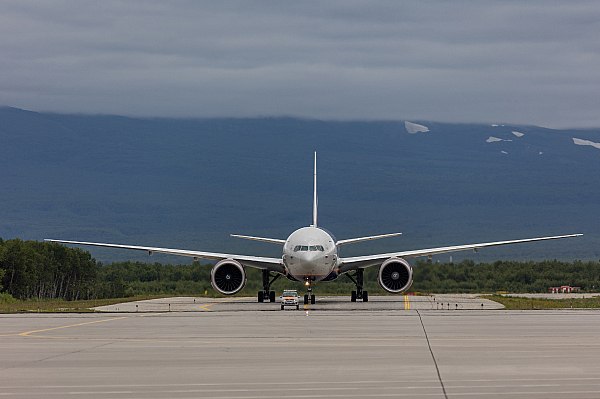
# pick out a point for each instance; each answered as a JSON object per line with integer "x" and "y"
{"x": 535, "y": 62}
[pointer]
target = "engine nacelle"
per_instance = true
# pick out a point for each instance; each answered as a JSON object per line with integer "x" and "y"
{"x": 395, "y": 275}
{"x": 228, "y": 277}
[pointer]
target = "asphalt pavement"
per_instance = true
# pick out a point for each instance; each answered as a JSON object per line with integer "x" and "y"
{"x": 233, "y": 351}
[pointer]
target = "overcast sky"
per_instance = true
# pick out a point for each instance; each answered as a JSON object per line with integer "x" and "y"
{"x": 535, "y": 62}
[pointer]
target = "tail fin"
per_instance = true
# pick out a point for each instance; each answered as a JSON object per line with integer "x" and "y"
{"x": 315, "y": 200}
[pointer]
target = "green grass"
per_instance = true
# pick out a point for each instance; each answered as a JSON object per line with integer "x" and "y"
{"x": 62, "y": 306}
{"x": 518, "y": 303}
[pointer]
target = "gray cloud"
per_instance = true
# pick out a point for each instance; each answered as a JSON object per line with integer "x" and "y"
{"x": 525, "y": 62}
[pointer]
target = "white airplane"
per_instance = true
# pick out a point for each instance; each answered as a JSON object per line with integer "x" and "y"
{"x": 310, "y": 254}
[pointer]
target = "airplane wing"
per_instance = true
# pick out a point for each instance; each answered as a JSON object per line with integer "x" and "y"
{"x": 347, "y": 264}
{"x": 367, "y": 238}
{"x": 258, "y": 262}
{"x": 263, "y": 239}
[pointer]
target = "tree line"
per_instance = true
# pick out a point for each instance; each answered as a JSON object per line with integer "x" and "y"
{"x": 31, "y": 269}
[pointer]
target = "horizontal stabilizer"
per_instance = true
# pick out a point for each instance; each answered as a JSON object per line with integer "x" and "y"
{"x": 263, "y": 239}
{"x": 367, "y": 238}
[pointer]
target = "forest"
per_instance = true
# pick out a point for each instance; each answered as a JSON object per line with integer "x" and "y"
{"x": 32, "y": 269}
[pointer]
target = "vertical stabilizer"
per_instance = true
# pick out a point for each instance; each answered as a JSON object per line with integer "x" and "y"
{"x": 315, "y": 200}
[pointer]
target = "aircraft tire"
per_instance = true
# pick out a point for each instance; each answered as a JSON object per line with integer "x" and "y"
{"x": 365, "y": 296}
{"x": 353, "y": 296}
{"x": 306, "y": 299}
{"x": 312, "y": 299}
{"x": 271, "y": 296}
{"x": 261, "y": 296}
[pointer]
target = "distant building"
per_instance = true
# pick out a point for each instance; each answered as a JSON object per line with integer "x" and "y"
{"x": 563, "y": 289}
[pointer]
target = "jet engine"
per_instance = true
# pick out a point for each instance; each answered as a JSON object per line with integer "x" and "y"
{"x": 395, "y": 275}
{"x": 228, "y": 277}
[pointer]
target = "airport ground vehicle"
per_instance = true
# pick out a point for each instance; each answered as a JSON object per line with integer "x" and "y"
{"x": 290, "y": 298}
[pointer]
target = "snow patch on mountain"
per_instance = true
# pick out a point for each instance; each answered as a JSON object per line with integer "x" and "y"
{"x": 577, "y": 141}
{"x": 518, "y": 134}
{"x": 413, "y": 128}
{"x": 493, "y": 139}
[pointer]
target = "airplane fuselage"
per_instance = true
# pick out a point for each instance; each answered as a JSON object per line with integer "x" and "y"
{"x": 310, "y": 254}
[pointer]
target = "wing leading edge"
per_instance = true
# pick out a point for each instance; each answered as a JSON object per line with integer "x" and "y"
{"x": 352, "y": 263}
{"x": 367, "y": 238}
{"x": 259, "y": 262}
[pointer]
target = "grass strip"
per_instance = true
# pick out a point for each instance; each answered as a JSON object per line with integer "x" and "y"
{"x": 519, "y": 303}
{"x": 62, "y": 306}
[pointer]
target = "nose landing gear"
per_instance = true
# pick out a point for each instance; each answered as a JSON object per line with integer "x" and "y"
{"x": 309, "y": 296}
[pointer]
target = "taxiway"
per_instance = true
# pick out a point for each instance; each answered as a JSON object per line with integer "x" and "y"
{"x": 301, "y": 354}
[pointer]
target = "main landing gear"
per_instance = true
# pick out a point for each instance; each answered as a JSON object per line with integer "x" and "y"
{"x": 266, "y": 294}
{"x": 309, "y": 296}
{"x": 357, "y": 279}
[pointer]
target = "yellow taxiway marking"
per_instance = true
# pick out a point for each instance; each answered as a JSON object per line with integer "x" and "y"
{"x": 29, "y": 333}
{"x": 207, "y": 306}
{"x": 406, "y": 302}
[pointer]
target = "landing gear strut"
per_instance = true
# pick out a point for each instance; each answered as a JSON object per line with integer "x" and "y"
{"x": 357, "y": 279}
{"x": 266, "y": 294}
{"x": 309, "y": 296}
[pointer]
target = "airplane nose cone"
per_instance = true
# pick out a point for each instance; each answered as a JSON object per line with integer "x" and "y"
{"x": 307, "y": 263}
{"x": 308, "y": 256}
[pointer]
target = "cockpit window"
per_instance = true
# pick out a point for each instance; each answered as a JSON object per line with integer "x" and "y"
{"x": 309, "y": 248}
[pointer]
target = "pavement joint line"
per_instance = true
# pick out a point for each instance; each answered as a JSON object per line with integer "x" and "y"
{"x": 214, "y": 384}
{"x": 256, "y": 389}
{"x": 152, "y": 314}
{"x": 279, "y": 383}
{"x": 362, "y": 395}
{"x": 384, "y": 343}
{"x": 437, "y": 369}
{"x": 299, "y": 396}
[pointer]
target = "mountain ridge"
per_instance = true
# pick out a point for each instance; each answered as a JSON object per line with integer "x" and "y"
{"x": 190, "y": 182}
